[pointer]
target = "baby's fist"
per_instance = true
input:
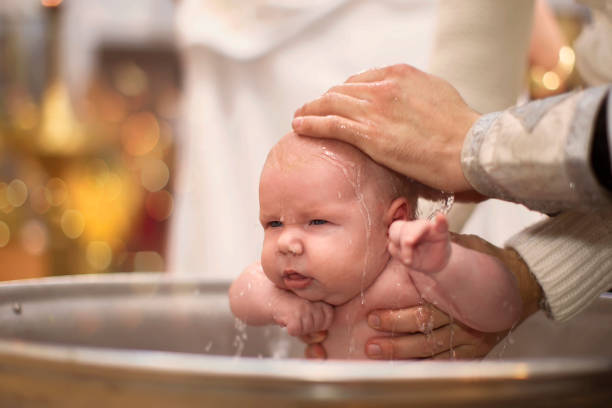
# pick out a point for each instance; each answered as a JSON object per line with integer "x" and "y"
{"x": 420, "y": 244}
{"x": 306, "y": 317}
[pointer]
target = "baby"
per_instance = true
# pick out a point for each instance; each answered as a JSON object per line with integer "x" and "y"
{"x": 340, "y": 240}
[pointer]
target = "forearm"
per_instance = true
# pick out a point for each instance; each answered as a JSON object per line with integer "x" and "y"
{"x": 252, "y": 295}
{"x": 481, "y": 291}
{"x": 539, "y": 154}
{"x": 529, "y": 289}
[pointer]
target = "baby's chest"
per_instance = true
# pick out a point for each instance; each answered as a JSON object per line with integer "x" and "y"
{"x": 350, "y": 331}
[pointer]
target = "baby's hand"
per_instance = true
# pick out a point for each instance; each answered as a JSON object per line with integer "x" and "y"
{"x": 421, "y": 245}
{"x": 302, "y": 317}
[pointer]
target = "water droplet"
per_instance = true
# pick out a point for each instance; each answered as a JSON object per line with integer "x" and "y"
{"x": 451, "y": 322}
{"x": 17, "y": 308}
{"x": 240, "y": 338}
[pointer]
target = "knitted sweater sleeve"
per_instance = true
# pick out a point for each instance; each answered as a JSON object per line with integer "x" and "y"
{"x": 571, "y": 257}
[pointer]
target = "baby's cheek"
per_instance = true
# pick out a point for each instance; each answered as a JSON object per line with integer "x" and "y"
{"x": 268, "y": 264}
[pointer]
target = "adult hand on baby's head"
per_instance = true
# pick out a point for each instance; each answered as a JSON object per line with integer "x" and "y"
{"x": 403, "y": 118}
{"x": 428, "y": 333}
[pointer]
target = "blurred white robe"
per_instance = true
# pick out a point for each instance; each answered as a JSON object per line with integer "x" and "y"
{"x": 249, "y": 65}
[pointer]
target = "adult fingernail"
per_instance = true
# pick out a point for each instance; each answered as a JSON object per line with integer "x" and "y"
{"x": 374, "y": 321}
{"x": 318, "y": 337}
{"x": 373, "y": 350}
{"x": 316, "y": 352}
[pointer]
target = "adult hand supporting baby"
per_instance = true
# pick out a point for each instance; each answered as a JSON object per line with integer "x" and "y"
{"x": 448, "y": 338}
{"x": 314, "y": 349}
{"x": 428, "y": 332}
{"x": 405, "y": 119}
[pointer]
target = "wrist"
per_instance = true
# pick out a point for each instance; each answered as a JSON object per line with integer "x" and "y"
{"x": 462, "y": 182}
{"x": 531, "y": 292}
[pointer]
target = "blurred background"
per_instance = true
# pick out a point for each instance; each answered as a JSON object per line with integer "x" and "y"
{"x": 88, "y": 120}
{"x": 90, "y": 124}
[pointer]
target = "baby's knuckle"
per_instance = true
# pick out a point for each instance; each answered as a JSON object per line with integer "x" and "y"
{"x": 401, "y": 69}
{"x": 335, "y": 124}
{"x": 327, "y": 100}
{"x": 336, "y": 89}
{"x": 387, "y": 89}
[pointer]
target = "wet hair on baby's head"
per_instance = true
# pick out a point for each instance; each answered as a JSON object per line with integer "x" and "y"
{"x": 293, "y": 151}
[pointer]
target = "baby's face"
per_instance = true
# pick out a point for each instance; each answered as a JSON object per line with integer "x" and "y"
{"x": 324, "y": 236}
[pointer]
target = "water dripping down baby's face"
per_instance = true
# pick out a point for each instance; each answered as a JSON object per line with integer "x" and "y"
{"x": 324, "y": 232}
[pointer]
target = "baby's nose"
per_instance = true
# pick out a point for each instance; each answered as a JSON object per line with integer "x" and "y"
{"x": 290, "y": 243}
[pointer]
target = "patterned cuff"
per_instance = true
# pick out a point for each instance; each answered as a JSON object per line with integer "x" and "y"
{"x": 473, "y": 171}
{"x": 538, "y": 154}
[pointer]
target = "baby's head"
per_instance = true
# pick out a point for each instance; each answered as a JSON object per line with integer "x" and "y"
{"x": 326, "y": 208}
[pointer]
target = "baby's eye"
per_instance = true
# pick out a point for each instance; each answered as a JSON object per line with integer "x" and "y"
{"x": 317, "y": 222}
{"x": 275, "y": 224}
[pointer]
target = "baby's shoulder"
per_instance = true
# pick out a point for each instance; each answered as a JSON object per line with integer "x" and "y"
{"x": 393, "y": 288}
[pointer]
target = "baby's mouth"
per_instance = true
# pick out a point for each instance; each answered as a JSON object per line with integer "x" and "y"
{"x": 295, "y": 280}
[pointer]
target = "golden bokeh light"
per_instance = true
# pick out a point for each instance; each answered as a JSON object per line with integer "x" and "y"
{"x": 113, "y": 186}
{"x": 567, "y": 57}
{"x": 56, "y": 191}
{"x": 99, "y": 255}
{"x": 107, "y": 199}
{"x": 87, "y": 172}
{"x": 73, "y": 223}
{"x": 130, "y": 79}
{"x": 159, "y": 205}
{"x": 51, "y": 3}
{"x": 551, "y": 80}
{"x": 60, "y": 132}
{"x": 140, "y": 133}
{"x": 5, "y": 234}
{"x": 16, "y": 193}
{"x": 34, "y": 237}
{"x": 148, "y": 261}
{"x": 154, "y": 174}
{"x": 521, "y": 372}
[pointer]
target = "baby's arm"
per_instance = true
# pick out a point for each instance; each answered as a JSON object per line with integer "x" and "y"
{"x": 473, "y": 287}
{"x": 255, "y": 300}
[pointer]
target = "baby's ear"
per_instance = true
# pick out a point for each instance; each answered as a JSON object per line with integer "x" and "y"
{"x": 400, "y": 209}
